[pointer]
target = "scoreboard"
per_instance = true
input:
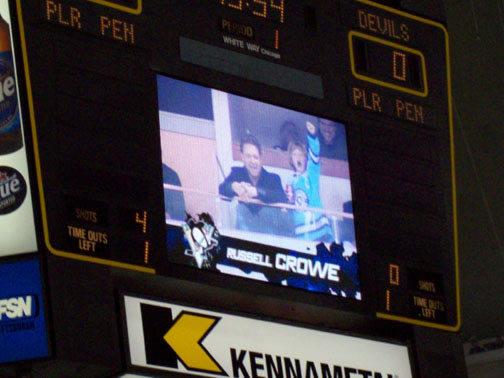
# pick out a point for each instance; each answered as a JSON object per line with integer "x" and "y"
{"x": 306, "y": 144}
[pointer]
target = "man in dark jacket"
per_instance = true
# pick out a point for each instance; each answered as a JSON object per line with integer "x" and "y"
{"x": 253, "y": 185}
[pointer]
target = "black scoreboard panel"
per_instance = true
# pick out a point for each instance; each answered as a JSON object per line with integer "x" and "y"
{"x": 93, "y": 71}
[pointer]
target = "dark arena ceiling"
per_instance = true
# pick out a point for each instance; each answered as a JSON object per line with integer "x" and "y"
{"x": 477, "y": 40}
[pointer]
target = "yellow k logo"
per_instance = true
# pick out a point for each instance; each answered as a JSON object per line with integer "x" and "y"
{"x": 186, "y": 337}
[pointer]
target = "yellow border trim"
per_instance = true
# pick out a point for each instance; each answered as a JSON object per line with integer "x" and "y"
{"x": 454, "y": 328}
{"x": 38, "y": 166}
{"x": 382, "y": 83}
{"x": 403, "y": 319}
{"x": 136, "y": 10}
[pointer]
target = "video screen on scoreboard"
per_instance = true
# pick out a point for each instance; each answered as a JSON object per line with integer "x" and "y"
{"x": 256, "y": 190}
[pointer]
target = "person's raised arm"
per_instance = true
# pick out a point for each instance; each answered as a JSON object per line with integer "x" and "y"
{"x": 313, "y": 147}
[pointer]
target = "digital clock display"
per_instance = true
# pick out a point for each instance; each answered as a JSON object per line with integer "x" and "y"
{"x": 273, "y": 10}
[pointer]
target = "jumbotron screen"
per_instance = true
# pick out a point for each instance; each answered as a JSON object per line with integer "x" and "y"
{"x": 256, "y": 190}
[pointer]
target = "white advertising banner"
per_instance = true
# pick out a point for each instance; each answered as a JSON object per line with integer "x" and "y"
{"x": 189, "y": 340}
{"x": 17, "y": 229}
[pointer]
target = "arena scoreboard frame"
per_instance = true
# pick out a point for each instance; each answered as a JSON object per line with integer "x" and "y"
{"x": 134, "y": 104}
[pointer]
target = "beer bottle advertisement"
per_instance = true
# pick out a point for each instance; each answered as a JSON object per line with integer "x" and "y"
{"x": 11, "y": 138}
{"x": 16, "y": 212}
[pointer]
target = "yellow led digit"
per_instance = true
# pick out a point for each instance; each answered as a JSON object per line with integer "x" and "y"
{"x": 264, "y": 6}
{"x": 238, "y": 5}
{"x": 399, "y": 74}
{"x": 142, "y": 221}
{"x": 394, "y": 274}
{"x": 279, "y": 5}
{"x": 146, "y": 252}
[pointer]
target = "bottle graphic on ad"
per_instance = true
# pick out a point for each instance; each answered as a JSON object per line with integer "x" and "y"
{"x": 11, "y": 138}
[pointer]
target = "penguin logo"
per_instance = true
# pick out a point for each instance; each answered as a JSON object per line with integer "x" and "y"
{"x": 203, "y": 239}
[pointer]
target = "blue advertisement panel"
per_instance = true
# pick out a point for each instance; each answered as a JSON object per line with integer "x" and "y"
{"x": 23, "y": 334}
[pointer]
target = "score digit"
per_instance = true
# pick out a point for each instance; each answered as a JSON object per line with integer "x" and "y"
{"x": 146, "y": 252}
{"x": 394, "y": 274}
{"x": 399, "y": 73}
{"x": 142, "y": 221}
{"x": 279, "y": 6}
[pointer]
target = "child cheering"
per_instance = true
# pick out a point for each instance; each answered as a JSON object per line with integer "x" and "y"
{"x": 309, "y": 224}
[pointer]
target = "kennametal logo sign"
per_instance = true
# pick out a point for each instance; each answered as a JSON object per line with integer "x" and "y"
{"x": 172, "y": 337}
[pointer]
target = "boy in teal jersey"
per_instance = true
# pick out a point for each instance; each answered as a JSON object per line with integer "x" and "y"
{"x": 309, "y": 225}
